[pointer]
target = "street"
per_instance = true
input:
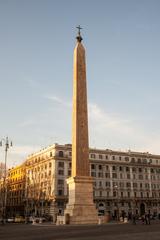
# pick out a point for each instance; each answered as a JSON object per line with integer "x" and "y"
{"x": 87, "y": 232}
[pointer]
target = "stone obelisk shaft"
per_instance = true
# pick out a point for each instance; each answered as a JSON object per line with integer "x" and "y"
{"x": 80, "y": 148}
{"x": 80, "y": 208}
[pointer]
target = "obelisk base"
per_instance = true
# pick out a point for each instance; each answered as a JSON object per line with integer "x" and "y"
{"x": 81, "y": 208}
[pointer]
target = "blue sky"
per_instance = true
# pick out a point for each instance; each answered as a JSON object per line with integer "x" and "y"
{"x": 121, "y": 38}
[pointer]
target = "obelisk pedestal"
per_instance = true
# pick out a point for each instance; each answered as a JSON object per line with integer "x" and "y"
{"x": 80, "y": 208}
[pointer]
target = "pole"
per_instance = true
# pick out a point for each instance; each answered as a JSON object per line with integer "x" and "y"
{"x": 5, "y": 184}
{"x": 7, "y": 144}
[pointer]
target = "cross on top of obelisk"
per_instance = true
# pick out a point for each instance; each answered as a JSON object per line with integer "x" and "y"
{"x": 79, "y": 38}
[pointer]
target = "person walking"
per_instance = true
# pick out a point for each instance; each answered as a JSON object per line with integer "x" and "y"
{"x": 146, "y": 219}
{"x": 142, "y": 218}
{"x": 149, "y": 218}
{"x": 134, "y": 219}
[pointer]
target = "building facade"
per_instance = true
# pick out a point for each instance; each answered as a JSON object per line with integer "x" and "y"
{"x": 124, "y": 182}
{"x": 16, "y": 180}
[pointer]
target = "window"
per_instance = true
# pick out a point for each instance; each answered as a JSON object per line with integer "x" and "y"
{"x": 126, "y": 159}
{"x": 61, "y": 154}
{"x": 121, "y": 175}
{"x": 100, "y": 167}
{"x": 60, "y": 192}
{"x": 93, "y": 156}
{"x": 100, "y": 156}
{"x": 113, "y": 157}
{"x": 100, "y": 184}
{"x": 133, "y": 159}
{"x": 128, "y": 176}
{"x": 133, "y": 169}
{"x": 61, "y": 164}
{"x": 144, "y": 160}
{"x": 141, "y": 177}
{"x": 120, "y": 168}
{"x": 107, "y": 184}
{"x": 121, "y": 184}
{"x": 50, "y": 154}
{"x": 93, "y": 174}
{"x": 100, "y": 174}
{"x": 107, "y": 175}
{"x": 106, "y": 156}
{"x": 60, "y": 181}
{"x": 114, "y": 194}
{"x": 113, "y": 168}
{"x": 128, "y": 184}
{"x": 135, "y": 185}
{"x": 92, "y": 166}
{"x": 120, "y": 158}
{"x": 60, "y": 172}
{"x": 50, "y": 164}
{"x": 69, "y": 172}
{"x": 114, "y": 175}
{"x": 127, "y": 169}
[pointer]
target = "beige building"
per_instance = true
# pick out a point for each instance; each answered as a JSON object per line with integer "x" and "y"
{"x": 124, "y": 182}
{"x": 40, "y": 184}
{"x": 15, "y": 204}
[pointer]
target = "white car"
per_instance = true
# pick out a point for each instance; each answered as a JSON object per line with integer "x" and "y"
{"x": 10, "y": 220}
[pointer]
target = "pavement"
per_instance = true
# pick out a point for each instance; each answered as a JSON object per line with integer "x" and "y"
{"x": 108, "y": 231}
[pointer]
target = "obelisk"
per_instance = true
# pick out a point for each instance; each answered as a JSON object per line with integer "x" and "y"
{"x": 80, "y": 207}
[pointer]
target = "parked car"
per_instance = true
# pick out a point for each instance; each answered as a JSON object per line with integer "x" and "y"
{"x": 10, "y": 220}
{"x": 19, "y": 219}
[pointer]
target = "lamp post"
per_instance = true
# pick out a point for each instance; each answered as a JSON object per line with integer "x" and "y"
{"x": 116, "y": 191}
{"x": 7, "y": 144}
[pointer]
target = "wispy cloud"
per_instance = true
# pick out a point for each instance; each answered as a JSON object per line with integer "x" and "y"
{"x": 58, "y": 100}
{"x": 103, "y": 120}
{"x": 121, "y": 132}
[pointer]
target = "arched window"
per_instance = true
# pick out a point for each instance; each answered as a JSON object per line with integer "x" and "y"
{"x": 61, "y": 154}
{"x": 101, "y": 205}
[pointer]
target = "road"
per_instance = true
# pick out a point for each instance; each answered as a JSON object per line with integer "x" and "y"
{"x": 87, "y": 232}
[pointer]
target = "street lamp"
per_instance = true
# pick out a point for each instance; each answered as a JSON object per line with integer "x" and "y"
{"x": 7, "y": 143}
{"x": 116, "y": 191}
